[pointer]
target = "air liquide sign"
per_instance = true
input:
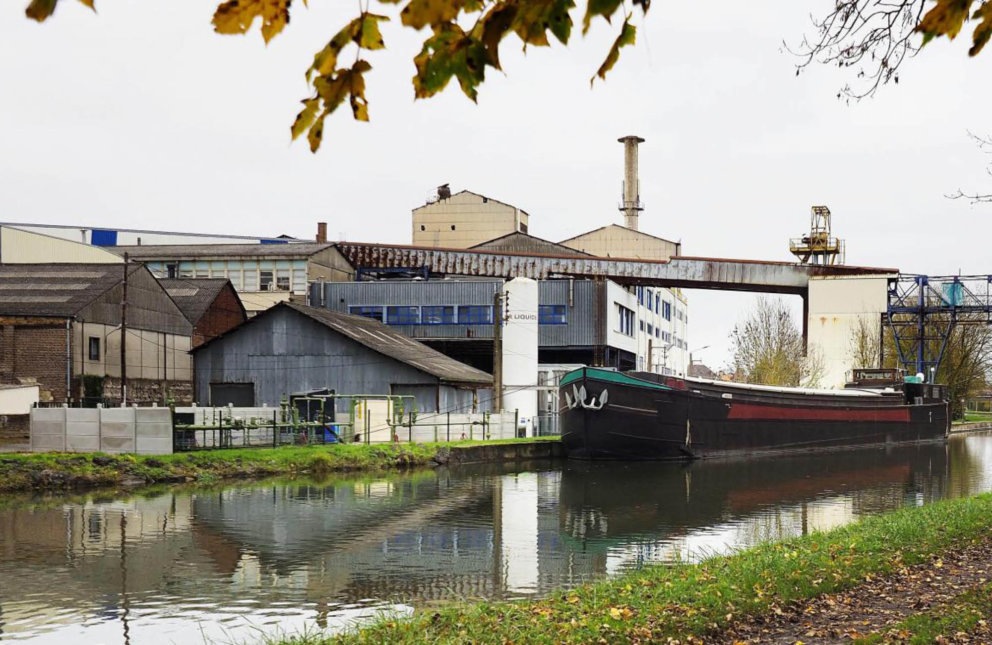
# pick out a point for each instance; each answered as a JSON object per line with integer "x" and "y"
{"x": 520, "y": 339}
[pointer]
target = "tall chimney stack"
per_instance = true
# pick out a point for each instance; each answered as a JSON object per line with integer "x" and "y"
{"x": 631, "y": 206}
{"x": 321, "y": 231}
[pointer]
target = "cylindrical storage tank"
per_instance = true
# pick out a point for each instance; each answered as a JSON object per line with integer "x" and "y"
{"x": 520, "y": 351}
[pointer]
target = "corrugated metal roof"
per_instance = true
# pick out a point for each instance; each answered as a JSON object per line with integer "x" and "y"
{"x": 380, "y": 338}
{"x": 65, "y": 288}
{"x": 148, "y": 252}
{"x": 517, "y": 242}
{"x": 193, "y": 296}
{"x": 626, "y": 228}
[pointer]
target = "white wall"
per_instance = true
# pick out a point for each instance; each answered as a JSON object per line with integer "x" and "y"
{"x": 18, "y": 399}
{"x": 615, "y": 296}
{"x": 836, "y": 304}
{"x": 520, "y": 337}
{"x": 26, "y": 247}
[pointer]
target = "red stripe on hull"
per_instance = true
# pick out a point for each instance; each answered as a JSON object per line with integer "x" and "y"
{"x": 774, "y": 412}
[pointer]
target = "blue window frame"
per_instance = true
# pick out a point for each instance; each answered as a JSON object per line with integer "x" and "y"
{"x": 650, "y": 299}
{"x": 552, "y": 315}
{"x": 404, "y": 315}
{"x": 375, "y": 313}
{"x": 657, "y": 302}
{"x": 475, "y": 315}
{"x": 437, "y": 315}
{"x": 657, "y": 332}
{"x": 626, "y": 320}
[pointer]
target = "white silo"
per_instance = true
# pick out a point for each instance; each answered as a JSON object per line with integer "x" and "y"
{"x": 520, "y": 350}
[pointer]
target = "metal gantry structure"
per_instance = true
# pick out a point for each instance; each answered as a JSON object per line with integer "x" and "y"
{"x": 923, "y": 310}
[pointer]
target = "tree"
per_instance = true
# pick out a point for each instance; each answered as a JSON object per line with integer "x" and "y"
{"x": 464, "y": 39}
{"x": 768, "y": 348}
{"x": 878, "y": 36}
{"x": 865, "y": 343}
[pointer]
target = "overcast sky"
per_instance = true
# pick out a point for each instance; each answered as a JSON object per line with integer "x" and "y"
{"x": 140, "y": 116}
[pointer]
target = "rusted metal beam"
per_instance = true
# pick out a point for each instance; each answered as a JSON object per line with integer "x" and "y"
{"x": 685, "y": 272}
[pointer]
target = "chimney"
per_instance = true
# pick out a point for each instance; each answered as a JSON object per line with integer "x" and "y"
{"x": 321, "y": 231}
{"x": 631, "y": 206}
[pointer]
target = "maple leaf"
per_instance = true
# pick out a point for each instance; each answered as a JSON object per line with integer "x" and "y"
{"x": 41, "y": 9}
{"x": 944, "y": 19}
{"x": 627, "y": 36}
{"x": 237, "y": 16}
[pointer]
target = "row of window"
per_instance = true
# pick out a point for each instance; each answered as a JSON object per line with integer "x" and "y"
{"x": 450, "y": 314}
{"x": 245, "y": 275}
{"x": 653, "y": 302}
{"x": 626, "y": 317}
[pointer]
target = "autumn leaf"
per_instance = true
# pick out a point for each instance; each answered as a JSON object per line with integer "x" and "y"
{"x": 306, "y": 117}
{"x": 944, "y": 19}
{"x": 626, "y": 37}
{"x": 984, "y": 29}
{"x": 237, "y": 16}
{"x": 41, "y": 9}
{"x": 449, "y": 52}
{"x": 420, "y": 13}
{"x": 494, "y": 26}
{"x": 536, "y": 17}
{"x": 605, "y": 8}
{"x": 332, "y": 89}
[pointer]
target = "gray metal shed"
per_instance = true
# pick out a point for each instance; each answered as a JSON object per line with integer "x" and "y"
{"x": 294, "y": 349}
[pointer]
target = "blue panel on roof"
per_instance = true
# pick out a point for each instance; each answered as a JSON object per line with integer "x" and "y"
{"x": 274, "y": 241}
{"x": 103, "y": 238}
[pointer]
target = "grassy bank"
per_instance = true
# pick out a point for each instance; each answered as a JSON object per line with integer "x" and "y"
{"x": 60, "y": 471}
{"x": 693, "y": 601}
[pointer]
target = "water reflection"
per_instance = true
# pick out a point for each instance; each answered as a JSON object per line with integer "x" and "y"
{"x": 195, "y": 565}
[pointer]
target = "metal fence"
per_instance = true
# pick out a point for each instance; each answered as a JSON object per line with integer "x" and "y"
{"x": 546, "y": 426}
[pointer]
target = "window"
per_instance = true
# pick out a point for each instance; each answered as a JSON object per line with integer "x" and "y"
{"x": 265, "y": 280}
{"x": 172, "y": 270}
{"x": 650, "y": 329}
{"x": 375, "y": 313}
{"x": 657, "y": 302}
{"x": 667, "y": 311}
{"x": 626, "y": 320}
{"x": 94, "y": 348}
{"x": 640, "y": 295}
{"x": 282, "y": 279}
{"x": 552, "y": 315}
{"x": 403, "y": 315}
{"x": 438, "y": 315}
{"x": 650, "y": 299}
{"x": 657, "y": 332}
{"x": 475, "y": 315}
{"x": 642, "y": 325}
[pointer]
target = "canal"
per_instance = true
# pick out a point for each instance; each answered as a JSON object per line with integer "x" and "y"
{"x": 229, "y": 564}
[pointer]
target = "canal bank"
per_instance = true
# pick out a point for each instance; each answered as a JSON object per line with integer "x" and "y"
{"x": 68, "y": 471}
{"x": 915, "y": 572}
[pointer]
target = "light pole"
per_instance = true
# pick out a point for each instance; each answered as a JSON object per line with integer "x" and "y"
{"x": 664, "y": 363}
{"x": 698, "y": 349}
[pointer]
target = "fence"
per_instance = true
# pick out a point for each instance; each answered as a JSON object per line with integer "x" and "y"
{"x": 145, "y": 431}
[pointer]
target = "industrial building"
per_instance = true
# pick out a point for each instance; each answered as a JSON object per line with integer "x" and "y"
{"x": 211, "y": 305}
{"x": 464, "y": 219}
{"x": 262, "y": 274}
{"x": 61, "y": 327}
{"x": 293, "y": 349}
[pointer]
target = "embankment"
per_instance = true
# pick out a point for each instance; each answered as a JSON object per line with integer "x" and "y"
{"x": 717, "y": 599}
{"x": 67, "y": 471}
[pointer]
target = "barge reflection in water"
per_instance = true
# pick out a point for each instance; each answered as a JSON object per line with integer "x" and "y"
{"x": 226, "y": 563}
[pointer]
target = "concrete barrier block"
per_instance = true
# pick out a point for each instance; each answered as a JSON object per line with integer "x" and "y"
{"x": 82, "y": 415}
{"x": 154, "y": 430}
{"x": 82, "y": 443}
{"x": 117, "y": 429}
{"x": 148, "y": 446}
{"x": 78, "y": 429}
{"x": 48, "y": 414}
{"x": 116, "y": 444}
{"x": 47, "y": 427}
{"x": 154, "y": 415}
{"x": 47, "y": 443}
{"x": 116, "y": 415}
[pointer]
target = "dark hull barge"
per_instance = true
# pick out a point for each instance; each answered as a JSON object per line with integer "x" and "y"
{"x": 640, "y": 416}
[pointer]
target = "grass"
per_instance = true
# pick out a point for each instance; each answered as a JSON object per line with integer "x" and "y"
{"x": 962, "y": 614}
{"x": 971, "y": 416}
{"x": 60, "y": 471}
{"x": 694, "y": 600}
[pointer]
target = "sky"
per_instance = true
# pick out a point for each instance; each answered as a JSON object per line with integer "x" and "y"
{"x": 141, "y": 116}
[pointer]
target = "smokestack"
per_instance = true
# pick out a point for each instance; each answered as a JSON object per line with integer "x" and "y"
{"x": 321, "y": 231}
{"x": 631, "y": 206}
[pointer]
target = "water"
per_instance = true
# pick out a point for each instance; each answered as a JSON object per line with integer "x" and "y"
{"x": 229, "y": 564}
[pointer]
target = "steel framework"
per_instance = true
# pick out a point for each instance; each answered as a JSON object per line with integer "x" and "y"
{"x": 923, "y": 310}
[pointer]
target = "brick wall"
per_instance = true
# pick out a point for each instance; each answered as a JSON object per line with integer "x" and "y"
{"x": 225, "y": 313}
{"x": 147, "y": 391}
{"x": 14, "y": 428}
{"x": 36, "y": 350}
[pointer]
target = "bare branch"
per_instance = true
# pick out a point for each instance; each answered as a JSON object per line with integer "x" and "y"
{"x": 876, "y": 36}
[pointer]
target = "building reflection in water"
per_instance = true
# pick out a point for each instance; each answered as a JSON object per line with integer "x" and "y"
{"x": 225, "y": 563}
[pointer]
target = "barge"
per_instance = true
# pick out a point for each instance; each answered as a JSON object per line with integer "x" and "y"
{"x": 606, "y": 414}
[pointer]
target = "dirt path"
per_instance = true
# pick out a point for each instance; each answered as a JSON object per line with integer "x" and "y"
{"x": 877, "y": 605}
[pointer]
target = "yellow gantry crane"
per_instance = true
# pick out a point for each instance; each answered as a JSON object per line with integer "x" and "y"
{"x": 818, "y": 247}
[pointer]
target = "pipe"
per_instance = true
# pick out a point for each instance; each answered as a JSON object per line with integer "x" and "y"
{"x": 68, "y": 358}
